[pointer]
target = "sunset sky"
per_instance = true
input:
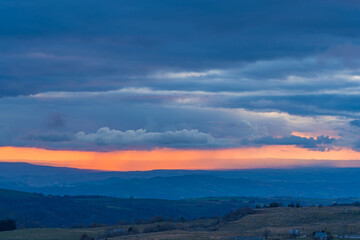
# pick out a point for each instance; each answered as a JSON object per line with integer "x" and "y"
{"x": 170, "y": 84}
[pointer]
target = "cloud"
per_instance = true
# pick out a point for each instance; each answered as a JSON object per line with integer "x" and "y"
{"x": 125, "y": 43}
{"x": 225, "y": 72}
{"x": 355, "y": 123}
{"x": 319, "y": 143}
{"x": 182, "y": 138}
{"x": 186, "y": 74}
{"x": 55, "y": 120}
{"x": 318, "y": 102}
{"x": 224, "y": 125}
{"x": 49, "y": 137}
{"x": 347, "y": 53}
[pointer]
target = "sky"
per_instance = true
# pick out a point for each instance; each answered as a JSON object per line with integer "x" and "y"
{"x": 205, "y": 84}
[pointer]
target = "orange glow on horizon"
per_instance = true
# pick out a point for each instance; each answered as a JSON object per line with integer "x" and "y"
{"x": 165, "y": 158}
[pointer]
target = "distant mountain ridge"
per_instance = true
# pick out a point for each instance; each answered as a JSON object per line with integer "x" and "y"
{"x": 315, "y": 182}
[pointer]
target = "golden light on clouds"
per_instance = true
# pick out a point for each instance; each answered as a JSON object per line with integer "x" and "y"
{"x": 315, "y": 135}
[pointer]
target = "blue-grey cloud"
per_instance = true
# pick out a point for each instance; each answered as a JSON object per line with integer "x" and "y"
{"x": 141, "y": 138}
{"x": 49, "y": 137}
{"x": 230, "y": 73}
{"x": 55, "y": 120}
{"x": 319, "y": 143}
{"x": 93, "y": 46}
{"x": 355, "y": 123}
{"x": 155, "y": 111}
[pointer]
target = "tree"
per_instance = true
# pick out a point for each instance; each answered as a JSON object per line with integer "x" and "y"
{"x": 133, "y": 230}
{"x": 275, "y": 204}
{"x": 156, "y": 219}
{"x": 237, "y": 214}
{"x": 266, "y": 234}
{"x": 7, "y": 225}
{"x": 85, "y": 237}
{"x": 139, "y": 221}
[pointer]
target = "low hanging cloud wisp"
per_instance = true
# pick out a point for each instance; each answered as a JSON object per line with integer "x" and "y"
{"x": 141, "y": 138}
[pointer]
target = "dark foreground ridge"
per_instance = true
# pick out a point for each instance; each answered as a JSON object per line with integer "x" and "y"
{"x": 282, "y": 223}
{"x": 37, "y": 210}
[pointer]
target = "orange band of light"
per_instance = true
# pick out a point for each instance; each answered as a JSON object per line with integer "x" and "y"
{"x": 266, "y": 156}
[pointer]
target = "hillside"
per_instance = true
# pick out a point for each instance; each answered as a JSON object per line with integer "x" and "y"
{"x": 37, "y": 210}
{"x": 34, "y": 210}
{"x": 276, "y": 222}
{"x": 182, "y": 184}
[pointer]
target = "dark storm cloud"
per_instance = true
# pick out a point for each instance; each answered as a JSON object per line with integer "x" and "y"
{"x": 170, "y": 73}
{"x": 91, "y": 45}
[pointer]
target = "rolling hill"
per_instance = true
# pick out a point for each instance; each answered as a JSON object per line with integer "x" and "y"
{"x": 36, "y": 210}
{"x": 275, "y": 222}
{"x": 317, "y": 182}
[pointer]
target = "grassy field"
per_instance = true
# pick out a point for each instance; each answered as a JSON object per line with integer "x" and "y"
{"x": 279, "y": 221}
{"x": 276, "y": 221}
{"x": 51, "y": 234}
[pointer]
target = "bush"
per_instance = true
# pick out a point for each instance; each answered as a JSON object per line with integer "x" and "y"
{"x": 133, "y": 230}
{"x": 139, "y": 221}
{"x": 159, "y": 228}
{"x": 275, "y": 205}
{"x": 156, "y": 219}
{"x": 85, "y": 237}
{"x": 96, "y": 225}
{"x": 7, "y": 225}
{"x": 237, "y": 214}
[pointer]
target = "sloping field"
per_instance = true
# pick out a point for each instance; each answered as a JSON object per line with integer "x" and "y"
{"x": 275, "y": 221}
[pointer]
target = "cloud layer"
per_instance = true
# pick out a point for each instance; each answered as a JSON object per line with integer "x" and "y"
{"x": 141, "y": 138}
{"x": 180, "y": 74}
